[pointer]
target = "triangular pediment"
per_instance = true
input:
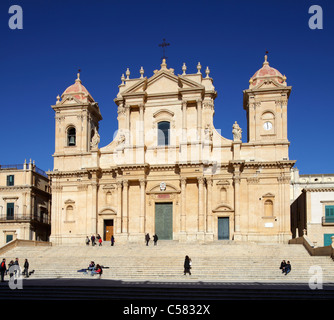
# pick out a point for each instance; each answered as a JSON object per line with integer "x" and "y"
{"x": 269, "y": 84}
{"x": 163, "y": 81}
{"x": 70, "y": 100}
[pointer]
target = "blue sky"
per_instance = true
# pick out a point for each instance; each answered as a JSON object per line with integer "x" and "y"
{"x": 103, "y": 38}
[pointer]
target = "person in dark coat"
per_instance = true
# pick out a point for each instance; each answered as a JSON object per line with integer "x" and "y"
{"x": 187, "y": 265}
{"x": 26, "y": 268}
{"x": 287, "y": 268}
{"x": 3, "y": 269}
{"x": 112, "y": 240}
{"x": 147, "y": 239}
{"x": 155, "y": 239}
{"x": 283, "y": 264}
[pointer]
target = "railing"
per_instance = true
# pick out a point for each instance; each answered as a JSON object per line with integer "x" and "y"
{"x": 16, "y": 217}
{"x": 328, "y": 220}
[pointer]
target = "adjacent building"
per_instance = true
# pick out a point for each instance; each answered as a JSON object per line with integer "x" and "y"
{"x": 168, "y": 170}
{"x": 25, "y": 203}
{"x": 312, "y": 207}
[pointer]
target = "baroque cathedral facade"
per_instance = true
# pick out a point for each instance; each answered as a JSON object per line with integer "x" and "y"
{"x": 168, "y": 171}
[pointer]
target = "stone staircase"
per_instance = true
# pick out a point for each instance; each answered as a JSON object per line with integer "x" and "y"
{"x": 221, "y": 261}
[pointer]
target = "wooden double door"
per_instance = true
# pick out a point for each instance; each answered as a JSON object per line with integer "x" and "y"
{"x": 108, "y": 229}
{"x": 164, "y": 220}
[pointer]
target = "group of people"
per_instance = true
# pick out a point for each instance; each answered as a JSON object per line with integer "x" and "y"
{"x": 94, "y": 269}
{"x": 4, "y": 271}
{"x": 148, "y": 238}
{"x": 285, "y": 267}
{"x": 98, "y": 239}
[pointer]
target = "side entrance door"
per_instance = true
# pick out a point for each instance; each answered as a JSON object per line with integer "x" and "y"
{"x": 164, "y": 220}
{"x": 108, "y": 229}
{"x": 223, "y": 228}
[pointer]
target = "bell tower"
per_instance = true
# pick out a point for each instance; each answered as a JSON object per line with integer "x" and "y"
{"x": 266, "y": 103}
{"x": 77, "y": 123}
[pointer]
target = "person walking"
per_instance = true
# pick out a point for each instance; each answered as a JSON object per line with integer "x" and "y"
{"x": 100, "y": 241}
{"x": 26, "y": 268}
{"x": 147, "y": 239}
{"x": 155, "y": 239}
{"x": 87, "y": 241}
{"x": 92, "y": 238}
{"x": 187, "y": 265}
{"x": 3, "y": 269}
{"x": 112, "y": 240}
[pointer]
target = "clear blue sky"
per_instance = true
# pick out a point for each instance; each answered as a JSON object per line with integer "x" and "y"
{"x": 103, "y": 38}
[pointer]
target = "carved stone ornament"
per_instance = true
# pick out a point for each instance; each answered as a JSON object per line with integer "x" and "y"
{"x": 236, "y": 132}
{"x": 95, "y": 140}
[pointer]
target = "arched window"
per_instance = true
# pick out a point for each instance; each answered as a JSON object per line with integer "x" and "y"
{"x": 163, "y": 133}
{"x": 71, "y": 136}
{"x": 268, "y": 208}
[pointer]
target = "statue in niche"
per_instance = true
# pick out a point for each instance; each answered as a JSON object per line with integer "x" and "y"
{"x": 236, "y": 132}
{"x": 95, "y": 140}
{"x": 121, "y": 139}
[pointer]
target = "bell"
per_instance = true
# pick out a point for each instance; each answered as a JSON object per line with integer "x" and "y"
{"x": 71, "y": 141}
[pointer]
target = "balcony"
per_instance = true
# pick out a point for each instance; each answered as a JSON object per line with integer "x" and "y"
{"x": 20, "y": 217}
{"x": 328, "y": 221}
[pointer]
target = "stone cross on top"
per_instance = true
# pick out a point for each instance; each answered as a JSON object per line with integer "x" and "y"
{"x": 163, "y": 45}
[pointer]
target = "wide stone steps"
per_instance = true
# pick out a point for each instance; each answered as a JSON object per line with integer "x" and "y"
{"x": 241, "y": 262}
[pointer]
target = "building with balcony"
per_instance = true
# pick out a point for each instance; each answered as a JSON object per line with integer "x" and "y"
{"x": 312, "y": 207}
{"x": 25, "y": 203}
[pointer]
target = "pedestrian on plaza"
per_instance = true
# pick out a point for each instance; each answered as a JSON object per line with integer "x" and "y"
{"x": 92, "y": 238}
{"x": 147, "y": 239}
{"x": 283, "y": 264}
{"x": 11, "y": 263}
{"x": 187, "y": 265}
{"x": 3, "y": 269}
{"x": 155, "y": 239}
{"x": 16, "y": 263}
{"x": 100, "y": 241}
{"x": 26, "y": 268}
{"x": 112, "y": 240}
{"x": 287, "y": 268}
{"x": 87, "y": 241}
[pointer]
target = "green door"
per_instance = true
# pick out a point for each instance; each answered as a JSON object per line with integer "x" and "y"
{"x": 164, "y": 220}
{"x": 223, "y": 228}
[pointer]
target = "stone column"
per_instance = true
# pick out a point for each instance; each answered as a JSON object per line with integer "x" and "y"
{"x": 184, "y": 120}
{"x": 142, "y": 206}
{"x": 183, "y": 204}
{"x": 201, "y": 224}
{"x": 209, "y": 207}
{"x": 236, "y": 179}
{"x": 119, "y": 207}
{"x": 125, "y": 207}
{"x": 199, "y": 119}
{"x": 94, "y": 187}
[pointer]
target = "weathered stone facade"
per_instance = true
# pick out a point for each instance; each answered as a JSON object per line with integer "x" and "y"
{"x": 168, "y": 170}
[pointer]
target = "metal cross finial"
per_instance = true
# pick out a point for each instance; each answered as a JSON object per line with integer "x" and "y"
{"x": 163, "y": 45}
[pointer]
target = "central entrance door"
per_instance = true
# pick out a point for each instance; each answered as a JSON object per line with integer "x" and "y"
{"x": 108, "y": 229}
{"x": 164, "y": 220}
{"x": 223, "y": 228}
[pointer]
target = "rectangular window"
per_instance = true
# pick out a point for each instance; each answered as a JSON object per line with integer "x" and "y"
{"x": 329, "y": 213}
{"x": 10, "y": 211}
{"x": 10, "y": 180}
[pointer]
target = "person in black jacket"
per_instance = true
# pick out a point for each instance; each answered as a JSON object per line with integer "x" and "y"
{"x": 3, "y": 269}
{"x": 147, "y": 238}
{"x": 283, "y": 264}
{"x": 287, "y": 268}
{"x": 187, "y": 265}
{"x": 155, "y": 239}
{"x": 26, "y": 268}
